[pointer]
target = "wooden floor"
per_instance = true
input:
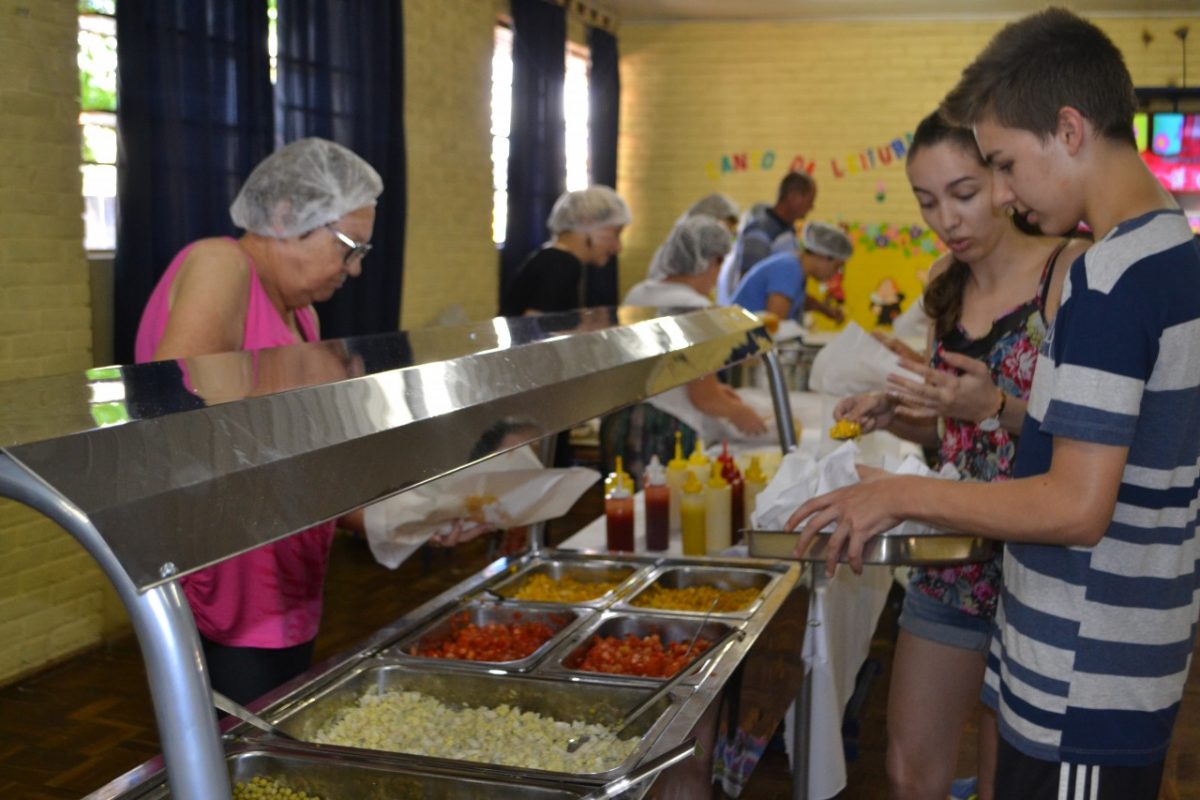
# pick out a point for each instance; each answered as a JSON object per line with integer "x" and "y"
{"x": 73, "y": 728}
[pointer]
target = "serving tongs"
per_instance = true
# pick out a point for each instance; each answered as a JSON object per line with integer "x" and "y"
{"x": 709, "y": 658}
{"x": 236, "y": 709}
{"x": 644, "y": 771}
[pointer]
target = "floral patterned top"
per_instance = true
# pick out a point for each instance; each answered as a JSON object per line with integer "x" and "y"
{"x": 1010, "y": 349}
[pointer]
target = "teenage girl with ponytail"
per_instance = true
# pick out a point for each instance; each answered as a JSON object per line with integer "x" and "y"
{"x": 989, "y": 301}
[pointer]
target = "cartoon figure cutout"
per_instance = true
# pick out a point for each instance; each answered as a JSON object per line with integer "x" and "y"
{"x": 885, "y": 302}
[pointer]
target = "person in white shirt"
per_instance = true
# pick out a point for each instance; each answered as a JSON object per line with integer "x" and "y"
{"x": 685, "y": 271}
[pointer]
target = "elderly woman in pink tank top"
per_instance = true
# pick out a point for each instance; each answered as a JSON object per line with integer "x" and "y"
{"x": 307, "y": 211}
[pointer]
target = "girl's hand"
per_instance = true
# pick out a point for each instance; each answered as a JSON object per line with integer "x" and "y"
{"x": 873, "y": 411}
{"x": 969, "y": 396}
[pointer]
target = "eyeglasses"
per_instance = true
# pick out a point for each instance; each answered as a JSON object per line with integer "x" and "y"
{"x": 356, "y": 251}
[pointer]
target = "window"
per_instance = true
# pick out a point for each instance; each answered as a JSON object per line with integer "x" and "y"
{"x": 575, "y": 112}
{"x": 98, "y": 121}
{"x": 502, "y": 75}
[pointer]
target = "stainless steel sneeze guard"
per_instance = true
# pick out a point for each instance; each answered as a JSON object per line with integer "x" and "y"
{"x": 186, "y": 484}
{"x": 161, "y": 469}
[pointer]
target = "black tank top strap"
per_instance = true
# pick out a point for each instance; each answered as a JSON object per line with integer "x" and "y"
{"x": 1048, "y": 274}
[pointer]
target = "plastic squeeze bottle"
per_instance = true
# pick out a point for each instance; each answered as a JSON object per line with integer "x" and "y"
{"x": 717, "y": 512}
{"x": 755, "y": 481}
{"x": 737, "y": 494}
{"x": 657, "y": 496}
{"x": 691, "y": 516}
{"x": 618, "y": 509}
{"x": 698, "y": 462}
{"x": 677, "y": 472}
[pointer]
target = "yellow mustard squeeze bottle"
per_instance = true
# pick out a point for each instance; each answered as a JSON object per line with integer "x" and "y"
{"x": 691, "y": 516}
{"x": 677, "y": 472}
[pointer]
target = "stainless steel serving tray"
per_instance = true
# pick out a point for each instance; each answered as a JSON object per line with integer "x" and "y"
{"x": 724, "y": 575}
{"x": 883, "y": 550}
{"x": 583, "y": 568}
{"x": 561, "y": 619}
{"x": 603, "y": 703}
{"x": 334, "y": 776}
{"x": 566, "y": 657}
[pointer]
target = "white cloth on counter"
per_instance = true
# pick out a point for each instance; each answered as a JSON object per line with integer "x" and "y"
{"x": 854, "y": 362}
{"x": 505, "y": 491}
{"x": 801, "y": 477}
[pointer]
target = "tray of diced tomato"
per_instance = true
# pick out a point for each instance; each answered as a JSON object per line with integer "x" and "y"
{"x": 641, "y": 646}
{"x": 489, "y": 634}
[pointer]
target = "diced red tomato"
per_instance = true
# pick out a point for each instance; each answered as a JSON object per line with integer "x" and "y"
{"x": 491, "y": 642}
{"x": 645, "y": 655}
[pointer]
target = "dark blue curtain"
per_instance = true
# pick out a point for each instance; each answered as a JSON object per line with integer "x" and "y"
{"x": 537, "y": 149}
{"x": 341, "y": 77}
{"x": 194, "y": 116}
{"x": 604, "y": 111}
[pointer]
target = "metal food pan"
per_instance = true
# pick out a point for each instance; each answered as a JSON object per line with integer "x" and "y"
{"x": 883, "y": 550}
{"x": 561, "y": 699}
{"x": 334, "y": 777}
{"x": 560, "y": 619}
{"x": 584, "y": 570}
{"x": 725, "y": 578}
{"x": 571, "y": 652}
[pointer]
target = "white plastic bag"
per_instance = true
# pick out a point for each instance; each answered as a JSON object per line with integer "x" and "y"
{"x": 853, "y": 363}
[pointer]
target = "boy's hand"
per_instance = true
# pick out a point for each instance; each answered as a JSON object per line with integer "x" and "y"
{"x": 859, "y": 513}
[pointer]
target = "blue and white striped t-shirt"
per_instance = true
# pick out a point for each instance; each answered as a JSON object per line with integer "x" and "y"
{"x": 1095, "y": 643}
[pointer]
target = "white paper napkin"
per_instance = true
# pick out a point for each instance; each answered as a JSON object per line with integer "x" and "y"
{"x": 800, "y": 478}
{"x": 855, "y": 362}
{"x": 506, "y": 491}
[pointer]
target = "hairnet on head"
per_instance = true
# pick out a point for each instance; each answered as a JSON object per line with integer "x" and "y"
{"x": 587, "y": 210}
{"x": 826, "y": 240}
{"x": 714, "y": 205}
{"x": 691, "y": 247}
{"x": 302, "y": 186}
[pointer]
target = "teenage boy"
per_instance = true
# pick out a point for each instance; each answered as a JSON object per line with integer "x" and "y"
{"x": 1099, "y": 608}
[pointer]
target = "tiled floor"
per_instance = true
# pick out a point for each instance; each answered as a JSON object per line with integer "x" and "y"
{"x": 77, "y": 726}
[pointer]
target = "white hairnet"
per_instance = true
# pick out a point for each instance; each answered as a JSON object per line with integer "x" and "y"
{"x": 826, "y": 240}
{"x": 587, "y": 210}
{"x": 714, "y": 205}
{"x": 690, "y": 247}
{"x": 302, "y": 186}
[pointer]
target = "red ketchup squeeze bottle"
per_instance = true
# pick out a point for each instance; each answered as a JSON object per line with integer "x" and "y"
{"x": 657, "y": 495}
{"x": 618, "y": 509}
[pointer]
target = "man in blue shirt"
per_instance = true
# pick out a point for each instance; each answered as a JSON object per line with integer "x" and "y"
{"x": 776, "y": 283}
{"x": 1098, "y": 614}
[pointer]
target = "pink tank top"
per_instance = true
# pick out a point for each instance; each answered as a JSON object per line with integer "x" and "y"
{"x": 271, "y": 596}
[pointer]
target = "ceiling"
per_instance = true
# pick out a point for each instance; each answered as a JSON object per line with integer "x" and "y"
{"x": 635, "y": 11}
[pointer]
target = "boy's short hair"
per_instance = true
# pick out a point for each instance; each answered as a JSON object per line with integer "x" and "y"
{"x": 800, "y": 182}
{"x": 1040, "y": 63}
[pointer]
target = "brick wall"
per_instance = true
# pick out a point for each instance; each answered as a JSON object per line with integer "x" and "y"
{"x": 53, "y": 600}
{"x": 449, "y": 257}
{"x": 692, "y": 94}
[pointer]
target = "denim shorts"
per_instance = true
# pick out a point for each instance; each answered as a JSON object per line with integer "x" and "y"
{"x": 936, "y": 621}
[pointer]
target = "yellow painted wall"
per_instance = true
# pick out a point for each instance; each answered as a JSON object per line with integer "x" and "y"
{"x": 53, "y": 600}
{"x": 695, "y": 94}
{"x": 449, "y": 257}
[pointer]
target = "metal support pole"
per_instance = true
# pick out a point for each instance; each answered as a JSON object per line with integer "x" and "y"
{"x": 779, "y": 399}
{"x": 803, "y": 726}
{"x": 547, "y": 449}
{"x": 802, "y": 730}
{"x": 170, "y": 644}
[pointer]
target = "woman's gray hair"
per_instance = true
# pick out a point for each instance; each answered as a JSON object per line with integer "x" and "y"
{"x": 302, "y": 186}
{"x": 690, "y": 247}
